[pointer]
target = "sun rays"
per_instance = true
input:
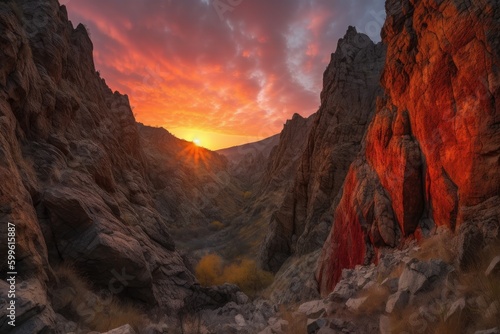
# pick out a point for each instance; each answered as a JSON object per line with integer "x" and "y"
{"x": 194, "y": 153}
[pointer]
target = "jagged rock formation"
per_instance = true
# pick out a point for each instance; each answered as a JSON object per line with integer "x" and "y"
{"x": 265, "y": 181}
{"x": 350, "y": 86}
{"x": 285, "y": 156}
{"x": 75, "y": 180}
{"x": 432, "y": 151}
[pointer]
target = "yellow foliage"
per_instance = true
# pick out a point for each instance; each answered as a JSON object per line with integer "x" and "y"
{"x": 247, "y": 276}
{"x": 217, "y": 225}
{"x": 209, "y": 270}
{"x": 245, "y": 273}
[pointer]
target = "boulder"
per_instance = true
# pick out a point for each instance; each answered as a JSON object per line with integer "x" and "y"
{"x": 240, "y": 320}
{"x": 314, "y": 326}
{"x": 313, "y": 309}
{"x": 354, "y": 304}
{"x": 418, "y": 275}
{"x": 397, "y": 301}
{"x": 241, "y": 298}
{"x": 125, "y": 329}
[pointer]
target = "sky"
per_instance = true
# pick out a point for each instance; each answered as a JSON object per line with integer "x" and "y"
{"x": 221, "y": 72}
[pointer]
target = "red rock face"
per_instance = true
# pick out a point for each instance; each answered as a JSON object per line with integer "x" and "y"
{"x": 364, "y": 219}
{"x": 452, "y": 98}
{"x": 348, "y": 240}
{"x": 350, "y": 89}
{"x": 434, "y": 142}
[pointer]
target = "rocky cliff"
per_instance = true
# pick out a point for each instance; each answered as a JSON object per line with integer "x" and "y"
{"x": 431, "y": 155}
{"x": 76, "y": 181}
{"x": 285, "y": 157}
{"x": 350, "y": 87}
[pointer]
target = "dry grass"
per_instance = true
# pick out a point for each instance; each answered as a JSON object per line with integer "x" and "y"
{"x": 376, "y": 298}
{"x": 297, "y": 322}
{"x": 453, "y": 325}
{"x": 483, "y": 290}
{"x": 438, "y": 246}
{"x": 73, "y": 297}
{"x": 402, "y": 321}
{"x": 191, "y": 324}
{"x": 481, "y": 311}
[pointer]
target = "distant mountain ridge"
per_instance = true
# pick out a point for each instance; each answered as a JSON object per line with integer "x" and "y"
{"x": 263, "y": 147}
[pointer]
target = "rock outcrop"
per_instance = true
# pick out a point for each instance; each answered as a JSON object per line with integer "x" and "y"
{"x": 350, "y": 87}
{"x": 432, "y": 151}
{"x": 76, "y": 181}
{"x": 285, "y": 157}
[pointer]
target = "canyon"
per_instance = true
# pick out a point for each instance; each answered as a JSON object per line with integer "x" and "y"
{"x": 383, "y": 205}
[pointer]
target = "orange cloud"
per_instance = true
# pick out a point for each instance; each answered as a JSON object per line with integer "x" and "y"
{"x": 231, "y": 79}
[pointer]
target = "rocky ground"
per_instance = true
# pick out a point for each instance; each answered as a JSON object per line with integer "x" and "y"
{"x": 417, "y": 289}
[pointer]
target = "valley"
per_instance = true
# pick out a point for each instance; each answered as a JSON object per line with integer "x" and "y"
{"x": 379, "y": 213}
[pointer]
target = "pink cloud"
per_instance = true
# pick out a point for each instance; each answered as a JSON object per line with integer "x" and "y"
{"x": 184, "y": 67}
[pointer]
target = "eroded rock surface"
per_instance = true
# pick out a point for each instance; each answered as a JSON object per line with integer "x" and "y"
{"x": 76, "y": 180}
{"x": 432, "y": 149}
{"x": 350, "y": 86}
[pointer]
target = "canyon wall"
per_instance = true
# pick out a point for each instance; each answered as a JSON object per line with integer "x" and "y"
{"x": 350, "y": 87}
{"x": 76, "y": 181}
{"x": 431, "y": 153}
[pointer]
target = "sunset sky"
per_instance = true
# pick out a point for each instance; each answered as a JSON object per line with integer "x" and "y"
{"x": 223, "y": 72}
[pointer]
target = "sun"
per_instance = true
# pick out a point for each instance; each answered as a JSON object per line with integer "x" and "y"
{"x": 197, "y": 142}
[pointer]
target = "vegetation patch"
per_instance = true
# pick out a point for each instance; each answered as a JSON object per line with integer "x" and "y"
{"x": 73, "y": 298}
{"x": 211, "y": 270}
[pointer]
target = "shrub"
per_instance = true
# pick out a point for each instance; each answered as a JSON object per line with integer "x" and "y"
{"x": 209, "y": 270}
{"x": 247, "y": 276}
{"x": 245, "y": 273}
{"x": 216, "y": 225}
